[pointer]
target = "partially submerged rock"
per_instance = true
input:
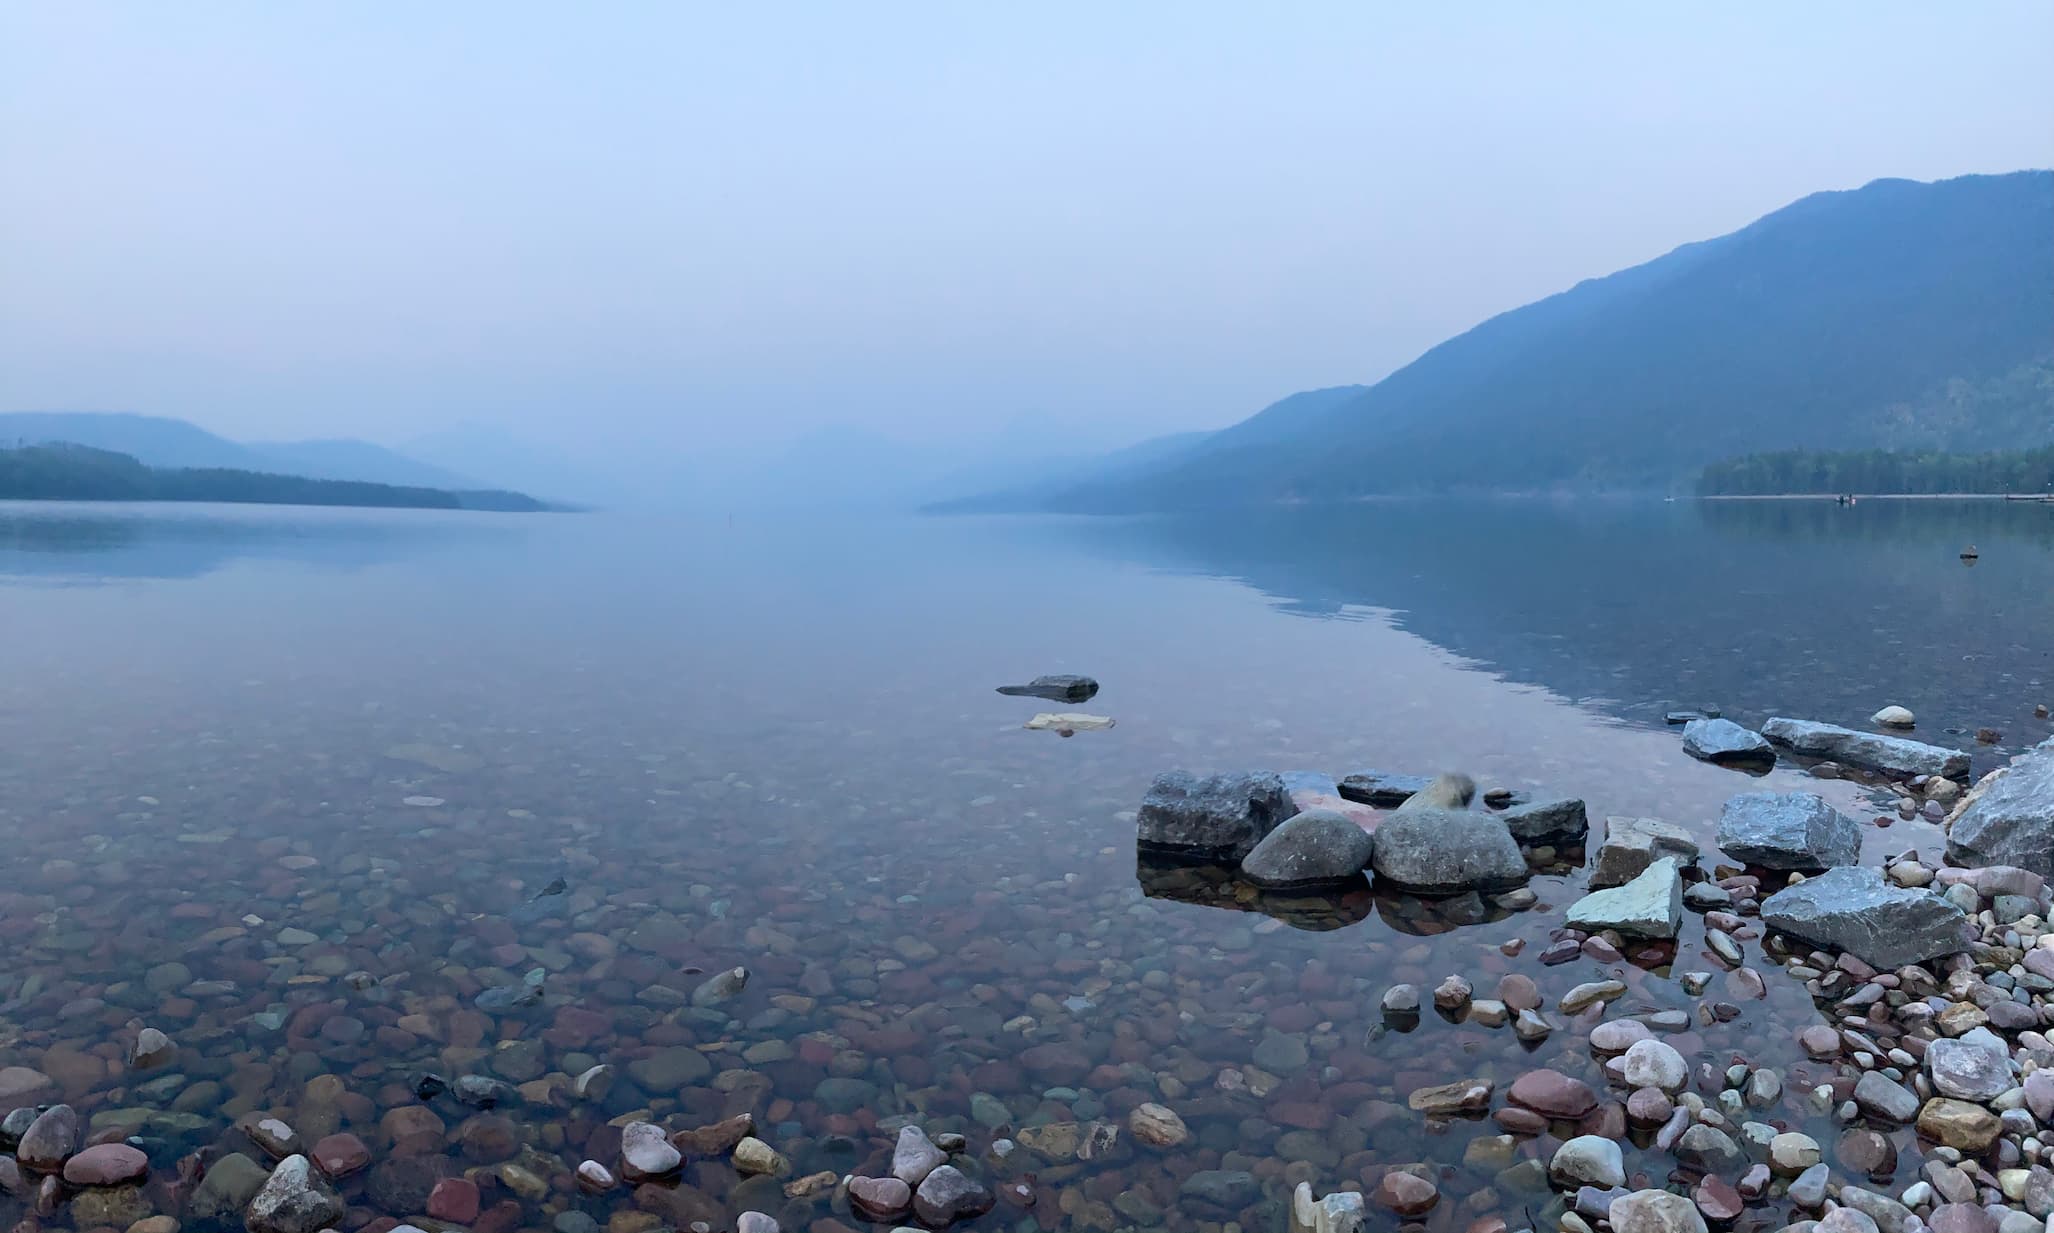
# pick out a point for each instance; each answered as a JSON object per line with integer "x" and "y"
{"x": 1893, "y": 717}
{"x": 1650, "y": 906}
{"x": 1892, "y": 754}
{"x": 1543, "y": 820}
{"x": 1308, "y": 849}
{"x": 1384, "y": 791}
{"x": 1632, "y": 844}
{"x": 1788, "y": 830}
{"x": 1725, "y": 742}
{"x": 1066, "y": 723}
{"x": 1062, "y": 687}
{"x": 1854, "y": 910}
{"x": 1215, "y": 818}
{"x": 2009, "y": 818}
{"x": 1446, "y": 851}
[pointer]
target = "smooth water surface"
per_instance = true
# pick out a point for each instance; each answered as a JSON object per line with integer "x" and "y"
{"x": 287, "y": 784}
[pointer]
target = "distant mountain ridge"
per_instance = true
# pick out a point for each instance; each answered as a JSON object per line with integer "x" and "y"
{"x": 63, "y": 471}
{"x": 159, "y": 441}
{"x": 1896, "y": 312}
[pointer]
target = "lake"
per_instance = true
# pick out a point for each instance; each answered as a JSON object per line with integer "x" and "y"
{"x": 297, "y": 787}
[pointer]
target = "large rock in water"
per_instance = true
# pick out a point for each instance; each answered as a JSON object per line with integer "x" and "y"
{"x": 2009, "y": 819}
{"x": 1723, "y": 741}
{"x": 1882, "y": 753}
{"x": 1632, "y": 844}
{"x": 1447, "y": 851}
{"x": 1855, "y": 910}
{"x": 1650, "y": 906}
{"x": 1788, "y": 830}
{"x": 1215, "y": 818}
{"x": 1318, "y": 846}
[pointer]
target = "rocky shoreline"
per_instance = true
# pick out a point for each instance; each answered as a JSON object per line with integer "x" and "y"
{"x": 1935, "y": 978}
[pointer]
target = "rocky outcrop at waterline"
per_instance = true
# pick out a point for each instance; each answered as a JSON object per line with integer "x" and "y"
{"x": 1892, "y": 754}
{"x": 2009, "y": 818}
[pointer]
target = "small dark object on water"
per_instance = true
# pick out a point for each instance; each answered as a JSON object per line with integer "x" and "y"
{"x": 1060, "y": 688}
{"x": 1969, "y": 553}
{"x": 2040, "y": 711}
{"x": 1988, "y": 736}
{"x": 557, "y": 887}
{"x": 429, "y": 1086}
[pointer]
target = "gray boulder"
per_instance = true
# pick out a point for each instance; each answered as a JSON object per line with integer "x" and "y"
{"x": 1854, "y": 910}
{"x": 1214, "y": 818}
{"x": 1968, "y": 1071}
{"x": 1447, "y": 851}
{"x": 1788, "y": 830}
{"x": 1632, "y": 844}
{"x": 1317, "y": 846}
{"x": 1541, "y": 820}
{"x": 2009, "y": 818}
{"x": 1893, "y": 754}
{"x": 1382, "y": 790}
{"x": 1723, "y": 741}
{"x": 1650, "y": 906}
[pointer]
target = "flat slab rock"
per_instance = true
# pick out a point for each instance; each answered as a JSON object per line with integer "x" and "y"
{"x": 1212, "y": 818}
{"x": 2009, "y": 818}
{"x": 1854, "y": 910}
{"x": 1541, "y": 820}
{"x": 1788, "y": 830}
{"x": 1317, "y": 790}
{"x": 1650, "y": 906}
{"x": 1384, "y": 791}
{"x": 1447, "y": 851}
{"x": 1894, "y": 754}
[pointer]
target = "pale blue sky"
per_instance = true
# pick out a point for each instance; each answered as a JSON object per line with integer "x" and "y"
{"x": 705, "y": 225}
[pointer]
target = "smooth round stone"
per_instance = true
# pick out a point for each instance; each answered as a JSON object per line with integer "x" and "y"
{"x": 1717, "y": 1200}
{"x": 1648, "y": 1106}
{"x": 1819, "y": 1042}
{"x": 1618, "y": 1035}
{"x": 340, "y": 1155}
{"x": 108, "y": 1164}
{"x": 1654, "y": 1063}
{"x": 594, "y": 1177}
{"x": 1960, "y": 1218}
{"x": 1552, "y": 1093}
{"x": 646, "y": 1152}
{"x": 755, "y": 1222}
{"x": 1866, "y": 1152}
{"x": 1157, "y": 1125}
{"x": 1792, "y": 1153}
{"x": 1588, "y": 1160}
{"x": 1407, "y": 1194}
{"x": 1519, "y": 992}
{"x": 880, "y": 1198}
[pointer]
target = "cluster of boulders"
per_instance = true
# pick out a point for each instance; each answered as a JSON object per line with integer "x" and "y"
{"x": 1305, "y": 829}
{"x": 1710, "y": 738}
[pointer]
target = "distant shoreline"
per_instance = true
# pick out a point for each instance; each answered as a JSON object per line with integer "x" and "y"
{"x": 2028, "y": 497}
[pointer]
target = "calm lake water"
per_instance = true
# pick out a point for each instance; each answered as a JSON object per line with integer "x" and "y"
{"x": 287, "y": 784}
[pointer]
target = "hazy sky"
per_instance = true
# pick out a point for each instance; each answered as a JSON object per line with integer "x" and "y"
{"x": 728, "y": 223}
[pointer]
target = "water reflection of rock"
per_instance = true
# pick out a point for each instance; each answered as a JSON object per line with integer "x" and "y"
{"x": 1321, "y": 910}
{"x": 1220, "y": 886}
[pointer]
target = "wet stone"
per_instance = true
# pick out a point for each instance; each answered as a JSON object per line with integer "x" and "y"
{"x": 341, "y": 1155}
{"x": 880, "y": 1198}
{"x": 107, "y": 1164}
{"x": 646, "y": 1152}
{"x": 948, "y": 1195}
{"x": 1552, "y": 1094}
{"x": 1222, "y": 1189}
{"x": 230, "y": 1183}
{"x": 1588, "y": 1160}
{"x": 1407, "y": 1194}
{"x": 915, "y": 1156}
{"x": 49, "y": 1140}
{"x": 294, "y": 1200}
{"x": 1654, "y": 1211}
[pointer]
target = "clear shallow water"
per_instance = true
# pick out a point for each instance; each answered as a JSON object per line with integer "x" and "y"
{"x": 776, "y": 745}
